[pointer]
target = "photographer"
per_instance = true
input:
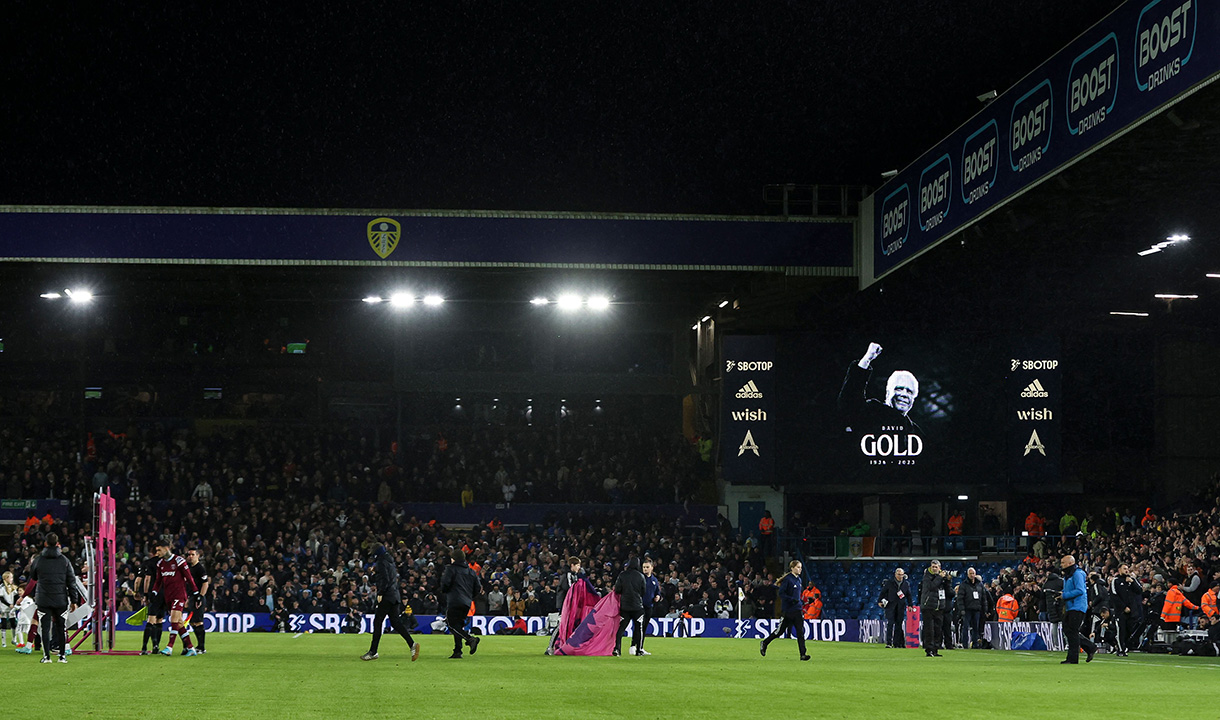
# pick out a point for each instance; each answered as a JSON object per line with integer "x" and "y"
{"x": 933, "y": 600}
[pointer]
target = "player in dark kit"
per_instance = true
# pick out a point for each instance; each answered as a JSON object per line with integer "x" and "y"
{"x": 199, "y": 573}
{"x": 156, "y": 605}
{"x": 174, "y": 582}
{"x": 790, "y": 604}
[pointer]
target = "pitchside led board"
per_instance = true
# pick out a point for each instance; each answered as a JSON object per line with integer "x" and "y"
{"x": 1140, "y": 58}
{"x": 747, "y": 403}
{"x": 879, "y": 412}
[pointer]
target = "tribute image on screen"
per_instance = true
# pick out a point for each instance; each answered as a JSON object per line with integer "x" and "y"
{"x": 886, "y": 431}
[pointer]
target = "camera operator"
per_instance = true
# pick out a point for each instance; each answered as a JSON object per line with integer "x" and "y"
{"x": 933, "y": 596}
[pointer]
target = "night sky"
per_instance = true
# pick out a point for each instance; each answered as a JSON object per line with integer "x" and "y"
{"x": 644, "y": 107}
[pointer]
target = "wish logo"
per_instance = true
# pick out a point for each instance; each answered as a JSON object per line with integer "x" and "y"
{"x": 1164, "y": 41}
{"x": 935, "y": 183}
{"x": 1092, "y": 86}
{"x": 1030, "y": 127}
{"x": 980, "y": 162}
{"x": 895, "y": 219}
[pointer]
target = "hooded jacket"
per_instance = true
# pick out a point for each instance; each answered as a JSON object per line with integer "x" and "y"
{"x": 934, "y": 591}
{"x": 387, "y": 577}
{"x": 459, "y": 585}
{"x": 1075, "y": 595}
{"x": 55, "y": 577}
{"x": 630, "y": 588}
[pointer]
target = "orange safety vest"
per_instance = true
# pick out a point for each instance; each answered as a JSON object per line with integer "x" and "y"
{"x": 955, "y": 524}
{"x": 811, "y": 598}
{"x": 1006, "y": 608}
{"x": 766, "y": 526}
{"x": 1171, "y": 611}
{"x": 1208, "y": 603}
{"x": 1033, "y": 525}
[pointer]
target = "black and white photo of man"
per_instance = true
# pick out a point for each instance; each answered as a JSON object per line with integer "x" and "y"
{"x": 884, "y": 427}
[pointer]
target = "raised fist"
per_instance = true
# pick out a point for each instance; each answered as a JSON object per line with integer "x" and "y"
{"x": 870, "y": 355}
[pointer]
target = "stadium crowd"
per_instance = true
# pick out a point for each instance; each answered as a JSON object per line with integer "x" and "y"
{"x": 293, "y": 556}
{"x": 461, "y": 463}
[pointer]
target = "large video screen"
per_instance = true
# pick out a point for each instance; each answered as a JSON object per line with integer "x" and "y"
{"x": 866, "y": 412}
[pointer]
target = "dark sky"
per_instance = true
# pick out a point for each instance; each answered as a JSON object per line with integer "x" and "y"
{"x": 603, "y": 106}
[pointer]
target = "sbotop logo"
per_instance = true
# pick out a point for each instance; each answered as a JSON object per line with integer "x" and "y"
{"x": 895, "y": 219}
{"x": 935, "y": 192}
{"x": 1092, "y": 86}
{"x": 1164, "y": 41}
{"x": 749, "y": 391}
{"x": 980, "y": 162}
{"x": 1030, "y": 127}
{"x": 1035, "y": 390}
{"x": 748, "y": 365}
{"x": 1019, "y": 364}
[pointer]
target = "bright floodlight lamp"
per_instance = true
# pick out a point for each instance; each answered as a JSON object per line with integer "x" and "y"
{"x": 402, "y": 300}
{"x": 599, "y": 302}
{"x": 433, "y": 300}
{"x": 79, "y": 297}
{"x": 568, "y": 302}
{"x": 371, "y": 299}
{"x": 539, "y": 301}
{"x": 50, "y": 296}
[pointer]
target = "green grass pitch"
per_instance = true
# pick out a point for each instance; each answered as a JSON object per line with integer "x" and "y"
{"x": 321, "y": 676}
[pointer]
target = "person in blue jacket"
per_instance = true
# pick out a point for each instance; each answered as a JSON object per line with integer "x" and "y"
{"x": 790, "y": 606}
{"x": 1076, "y": 600}
{"x": 652, "y": 593}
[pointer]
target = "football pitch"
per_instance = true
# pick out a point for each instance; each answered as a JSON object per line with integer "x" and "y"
{"x": 321, "y": 676}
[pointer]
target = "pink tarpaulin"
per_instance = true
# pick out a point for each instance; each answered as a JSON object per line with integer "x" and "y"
{"x": 588, "y": 625}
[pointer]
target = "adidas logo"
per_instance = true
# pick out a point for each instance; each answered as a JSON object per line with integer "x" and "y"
{"x": 1035, "y": 390}
{"x": 749, "y": 391}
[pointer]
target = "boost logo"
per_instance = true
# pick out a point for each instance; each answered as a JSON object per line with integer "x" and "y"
{"x": 935, "y": 186}
{"x": 1164, "y": 41}
{"x": 895, "y": 219}
{"x": 1030, "y": 126}
{"x": 1092, "y": 86}
{"x": 980, "y": 155}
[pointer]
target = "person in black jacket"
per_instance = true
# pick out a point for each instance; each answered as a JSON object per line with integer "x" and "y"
{"x": 1127, "y": 595}
{"x": 389, "y": 604}
{"x": 933, "y": 600}
{"x": 790, "y": 605}
{"x": 460, "y": 585}
{"x": 630, "y": 589}
{"x": 895, "y": 597}
{"x": 970, "y": 599}
{"x": 56, "y": 587}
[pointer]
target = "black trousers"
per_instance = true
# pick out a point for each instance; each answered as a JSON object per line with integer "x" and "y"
{"x": 393, "y": 610}
{"x": 794, "y": 621}
{"x": 1075, "y": 641}
{"x": 895, "y": 628}
{"x": 632, "y": 618}
{"x": 1127, "y": 623}
{"x": 644, "y": 626}
{"x": 456, "y": 620}
{"x": 53, "y": 630}
{"x": 933, "y": 620}
{"x": 972, "y": 628}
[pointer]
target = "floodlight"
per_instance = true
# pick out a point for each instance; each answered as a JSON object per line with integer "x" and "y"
{"x": 433, "y": 300}
{"x": 373, "y": 299}
{"x": 1129, "y": 314}
{"x": 1171, "y": 296}
{"x": 79, "y": 296}
{"x": 540, "y": 301}
{"x": 568, "y": 302}
{"x": 51, "y": 296}
{"x": 723, "y": 303}
{"x": 706, "y": 318}
{"x": 400, "y": 300}
{"x": 599, "y": 302}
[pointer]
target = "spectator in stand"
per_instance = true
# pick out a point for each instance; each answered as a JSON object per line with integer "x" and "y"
{"x": 766, "y": 532}
{"x": 1068, "y": 525}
